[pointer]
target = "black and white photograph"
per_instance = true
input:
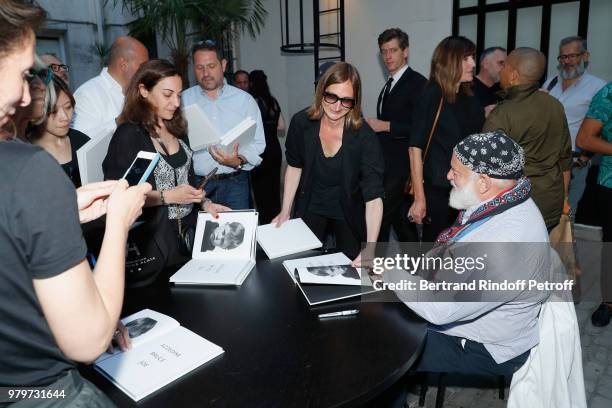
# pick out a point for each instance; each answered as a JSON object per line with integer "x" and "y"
{"x": 140, "y": 326}
{"x": 330, "y": 275}
{"x": 229, "y": 235}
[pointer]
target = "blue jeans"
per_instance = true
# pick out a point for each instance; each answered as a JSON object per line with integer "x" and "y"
{"x": 577, "y": 187}
{"x": 232, "y": 192}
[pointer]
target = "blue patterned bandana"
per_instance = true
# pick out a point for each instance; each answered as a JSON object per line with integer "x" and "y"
{"x": 493, "y": 154}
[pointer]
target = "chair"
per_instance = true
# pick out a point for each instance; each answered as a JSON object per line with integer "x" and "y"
{"x": 501, "y": 381}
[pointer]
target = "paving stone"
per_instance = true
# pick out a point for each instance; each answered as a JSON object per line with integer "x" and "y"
{"x": 604, "y": 387}
{"x": 600, "y": 402}
{"x": 593, "y": 370}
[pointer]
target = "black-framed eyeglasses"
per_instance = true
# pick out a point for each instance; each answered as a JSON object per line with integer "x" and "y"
{"x": 348, "y": 103}
{"x": 567, "y": 57}
{"x": 59, "y": 67}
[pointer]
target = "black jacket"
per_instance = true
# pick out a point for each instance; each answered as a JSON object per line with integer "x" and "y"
{"x": 362, "y": 167}
{"x": 398, "y": 107}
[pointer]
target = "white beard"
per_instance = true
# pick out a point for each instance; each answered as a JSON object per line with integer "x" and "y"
{"x": 463, "y": 198}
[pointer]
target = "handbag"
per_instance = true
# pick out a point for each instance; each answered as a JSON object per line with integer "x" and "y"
{"x": 408, "y": 187}
{"x": 563, "y": 241}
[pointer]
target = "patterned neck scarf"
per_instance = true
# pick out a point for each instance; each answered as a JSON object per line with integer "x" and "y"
{"x": 500, "y": 203}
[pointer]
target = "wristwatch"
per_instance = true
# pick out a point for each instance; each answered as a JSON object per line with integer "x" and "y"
{"x": 242, "y": 162}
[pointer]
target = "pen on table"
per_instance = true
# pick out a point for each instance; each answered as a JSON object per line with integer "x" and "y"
{"x": 336, "y": 314}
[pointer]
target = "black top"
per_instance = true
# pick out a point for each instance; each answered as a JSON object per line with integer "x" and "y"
{"x": 362, "y": 168}
{"x": 457, "y": 121}
{"x": 397, "y": 109}
{"x": 269, "y": 117}
{"x": 486, "y": 96}
{"x": 77, "y": 140}
{"x": 128, "y": 140}
{"x": 326, "y": 185}
{"x": 40, "y": 238}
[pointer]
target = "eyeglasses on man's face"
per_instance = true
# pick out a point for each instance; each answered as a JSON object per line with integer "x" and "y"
{"x": 58, "y": 67}
{"x": 348, "y": 103}
{"x": 569, "y": 57}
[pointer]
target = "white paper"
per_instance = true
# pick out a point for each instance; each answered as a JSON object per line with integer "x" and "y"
{"x": 201, "y": 131}
{"x": 292, "y": 237}
{"x": 90, "y": 157}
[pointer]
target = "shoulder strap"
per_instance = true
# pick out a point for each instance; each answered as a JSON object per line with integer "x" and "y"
{"x": 552, "y": 84}
{"x": 433, "y": 128}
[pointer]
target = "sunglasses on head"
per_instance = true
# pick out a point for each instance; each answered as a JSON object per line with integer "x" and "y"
{"x": 206, "y": 43}
{"x": 45, "y": 75}
{"x": 348, "y": 103}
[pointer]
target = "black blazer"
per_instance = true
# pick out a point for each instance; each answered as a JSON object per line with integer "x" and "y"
{"x": 362, "y": 167}
{"x": 398, "y": 107}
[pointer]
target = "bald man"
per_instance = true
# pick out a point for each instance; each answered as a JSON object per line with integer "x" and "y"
{"x": 99, "y": 101}
{"x": 536, "y": 121}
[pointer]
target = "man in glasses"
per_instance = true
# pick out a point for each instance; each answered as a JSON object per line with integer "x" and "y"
{"x": 225, "y": 106}
{"x": 574, "y": 88}
{"x": 99, "y": 101}
{"x": 392, "y": 123}
{"x": 57, "y": 67}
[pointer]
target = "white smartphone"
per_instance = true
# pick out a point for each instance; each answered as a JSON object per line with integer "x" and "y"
{"x": 141, "y": 168}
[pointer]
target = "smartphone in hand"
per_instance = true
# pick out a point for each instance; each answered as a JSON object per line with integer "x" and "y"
{"x": 141, "y": 168}
{"x": 207, "y": 178}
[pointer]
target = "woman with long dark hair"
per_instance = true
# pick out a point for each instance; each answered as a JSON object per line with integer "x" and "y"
{"x": 448, "y": 113}
{"x": 152, "y": 121}
{"x": 265, "y": 178}
{"x": 335, "y": 162}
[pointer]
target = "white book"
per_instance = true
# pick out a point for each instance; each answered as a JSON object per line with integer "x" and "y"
{"x": 90, "y": 157}
{"x": 223, "y": 250}
{"x": 292, "y": 237}
{"x": 162, "y": 351}
{"x": 203, "y": 133}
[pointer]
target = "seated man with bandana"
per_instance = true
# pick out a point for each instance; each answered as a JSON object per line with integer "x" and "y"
{"x": 485, "y": 330}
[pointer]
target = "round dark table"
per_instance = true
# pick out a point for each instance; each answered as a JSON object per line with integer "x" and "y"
{"x": 277, "y": 351}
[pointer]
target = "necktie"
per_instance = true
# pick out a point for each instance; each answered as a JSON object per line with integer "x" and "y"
{"x": 387, "y": 90}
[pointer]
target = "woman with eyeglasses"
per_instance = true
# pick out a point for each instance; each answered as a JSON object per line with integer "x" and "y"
{"x": 335, "y": 165}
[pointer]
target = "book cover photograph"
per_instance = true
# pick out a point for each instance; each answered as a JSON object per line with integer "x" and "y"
{"x": 223, "y": 250}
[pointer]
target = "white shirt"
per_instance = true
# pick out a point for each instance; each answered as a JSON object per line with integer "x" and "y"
{"x": 231, "y": 107}
{"x": 99, "y": 102}
{"x": 506, "y": 329}
{"x": 397, "y": 76}
{"x": 576, "y": 99}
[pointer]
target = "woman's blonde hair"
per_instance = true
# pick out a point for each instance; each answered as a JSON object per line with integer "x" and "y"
{"x": 337, "y": 74}
{"x": 447, "y": 65}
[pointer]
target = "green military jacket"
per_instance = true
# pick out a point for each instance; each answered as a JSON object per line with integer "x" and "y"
{"x": 537, "y": 122}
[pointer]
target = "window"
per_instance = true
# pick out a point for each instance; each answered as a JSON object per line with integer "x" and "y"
{"x": 540, "y": 24}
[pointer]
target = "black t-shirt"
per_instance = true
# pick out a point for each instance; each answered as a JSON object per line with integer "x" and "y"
{"x": 40, "y": 238}
{"x": 457, "y": 121}
{"x": 326, "y": 185}
{"x": 486, "y": 96}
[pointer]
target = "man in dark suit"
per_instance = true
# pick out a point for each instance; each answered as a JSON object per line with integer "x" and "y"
{"x": 394, "y": 119}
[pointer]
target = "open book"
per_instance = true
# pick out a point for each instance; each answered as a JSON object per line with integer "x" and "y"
{"x": 203, "y": 133}
{"x": 223, "y": 250}
{"x": 161, "y": 352}
{"x": 292, "y": 237}
{"x": 320, "y": 292}
{"x": 330, "y": 275}
{"x": 90, "y": 157}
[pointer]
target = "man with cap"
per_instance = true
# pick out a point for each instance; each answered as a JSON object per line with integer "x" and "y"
{"x": 491, "y": 333}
